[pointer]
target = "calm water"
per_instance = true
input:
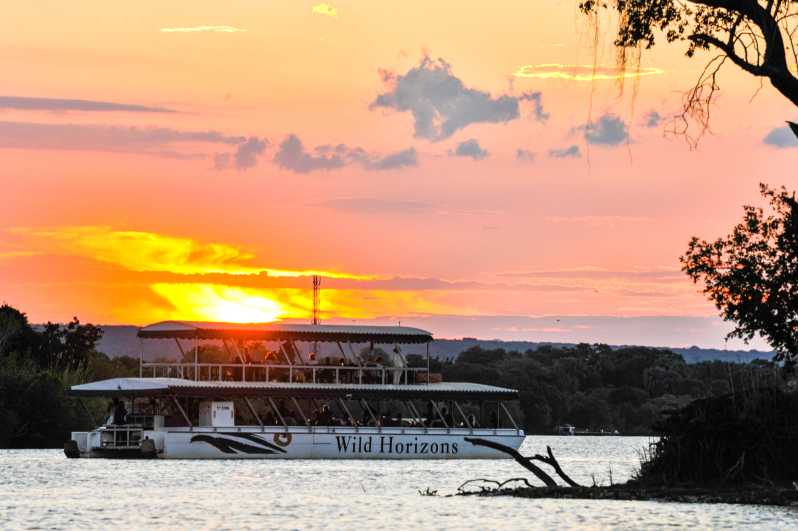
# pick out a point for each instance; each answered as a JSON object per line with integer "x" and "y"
{"x": 42, "y": 489}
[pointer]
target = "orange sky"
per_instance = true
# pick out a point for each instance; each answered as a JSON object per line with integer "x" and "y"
{"x": 150, "y": 172}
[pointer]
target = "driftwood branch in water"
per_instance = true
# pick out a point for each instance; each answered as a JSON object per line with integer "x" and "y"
{"x": 523, "y": 461}
{"x": 551, "y": 461}
{"x": 499, "y": 485}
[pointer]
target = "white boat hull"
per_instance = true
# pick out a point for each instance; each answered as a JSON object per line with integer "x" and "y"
{"x": 311, "y": 443}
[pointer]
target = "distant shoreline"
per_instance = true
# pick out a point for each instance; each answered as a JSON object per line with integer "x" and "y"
{"x": 121, "y": 340}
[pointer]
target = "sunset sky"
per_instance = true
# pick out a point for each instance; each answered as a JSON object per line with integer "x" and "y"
{"x": 476, "y": 169}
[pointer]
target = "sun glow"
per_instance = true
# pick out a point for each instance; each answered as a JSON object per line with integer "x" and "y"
{"x": 213, "y": 302}
{"x": 217, "y": 302}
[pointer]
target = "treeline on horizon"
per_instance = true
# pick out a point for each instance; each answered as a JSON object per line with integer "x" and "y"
{"x": 593, "y": 387}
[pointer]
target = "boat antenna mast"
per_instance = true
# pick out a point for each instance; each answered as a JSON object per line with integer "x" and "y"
{"x": 316, "y": 298}
{"x": 316, "y": 302}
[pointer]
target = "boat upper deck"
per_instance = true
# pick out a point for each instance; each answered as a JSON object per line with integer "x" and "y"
{"x": 248, "y": 366}
{"x": 401, "y": 335}
{"x": 153, "y": 387}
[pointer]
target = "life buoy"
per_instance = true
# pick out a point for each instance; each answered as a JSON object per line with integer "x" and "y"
{"x": 282, "y": 439}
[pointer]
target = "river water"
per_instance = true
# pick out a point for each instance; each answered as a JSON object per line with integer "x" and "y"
{"x": 42, "y": 489}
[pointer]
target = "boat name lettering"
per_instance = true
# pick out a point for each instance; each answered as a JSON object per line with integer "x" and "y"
{"x": 388, "y": 444}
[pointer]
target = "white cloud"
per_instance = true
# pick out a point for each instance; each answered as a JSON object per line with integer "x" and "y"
{"x": 440, "y": 102}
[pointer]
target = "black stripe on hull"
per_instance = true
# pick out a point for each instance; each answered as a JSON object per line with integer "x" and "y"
{"x": 228, "y": 446}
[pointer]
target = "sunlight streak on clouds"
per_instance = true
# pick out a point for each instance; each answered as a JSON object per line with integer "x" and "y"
{"x": 583, "y": 72}
{"x": 325, "y": 9}
{"x": 204, "y": 29}
{"x": 147, "y": 251}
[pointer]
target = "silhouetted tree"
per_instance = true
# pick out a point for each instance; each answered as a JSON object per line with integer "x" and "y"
{"x": 752, "y": 274}
{"x": 759, "y": 36}
{"x": 66, "y": 347}
{"x": 16, "y": 334}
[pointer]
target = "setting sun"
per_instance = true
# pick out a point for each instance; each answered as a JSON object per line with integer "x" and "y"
{"x": 220, "y": 303}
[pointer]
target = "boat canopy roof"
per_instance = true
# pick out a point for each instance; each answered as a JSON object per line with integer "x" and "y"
{"x": 153, "y": 387}
{"x": 285, "y": 331}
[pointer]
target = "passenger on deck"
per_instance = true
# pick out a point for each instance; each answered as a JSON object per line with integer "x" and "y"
{"x": 430, "y": 415}
{"x": 447, "y": 417}
{"x": 117, "y": 407}
{"x": 325, "y": 416}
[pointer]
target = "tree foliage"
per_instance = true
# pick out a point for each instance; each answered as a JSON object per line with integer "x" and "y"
{"x": 759, "y": 36}
{"x": 37, "y": 365}
{"x": 597, "y": 387}
{"x": 752, "y": 274}
{"x": 748, "y": 437}
{"x": 55, "y": 347}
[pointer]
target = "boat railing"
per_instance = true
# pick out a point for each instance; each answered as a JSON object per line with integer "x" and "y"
{"x": 254, "y": 372}
{"x": 121, "y": 437}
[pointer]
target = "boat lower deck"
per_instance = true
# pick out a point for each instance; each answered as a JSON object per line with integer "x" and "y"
{"x": 316, "y": 442}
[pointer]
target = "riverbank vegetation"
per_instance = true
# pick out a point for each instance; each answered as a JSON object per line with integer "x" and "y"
{"x": 37, "y": 365}
{"x": 735, "y": 448}
{"x": 595, "y": 387}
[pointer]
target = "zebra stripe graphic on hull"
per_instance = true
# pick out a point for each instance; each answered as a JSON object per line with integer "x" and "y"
{"x": 229, "y": 446}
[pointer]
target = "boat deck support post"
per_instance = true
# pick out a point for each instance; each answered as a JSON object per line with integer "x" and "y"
{"x": 352, "y": 421}
{"x": 365, "y": 405}
{"x": 438, "y": 411}
{"x": 182, "y": 411}
{"x": 299, "y": 410}
{"x": 252, "y": 410}
{"x": 276, "y": 411}
{"x": 462, "y": 414}
{"x": 414, "y": 410}
{"x": 427, "y": 362}
{"x": 506, "y": 412}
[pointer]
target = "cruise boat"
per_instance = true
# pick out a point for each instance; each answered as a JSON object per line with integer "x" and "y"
{"x": 297, "y": 402}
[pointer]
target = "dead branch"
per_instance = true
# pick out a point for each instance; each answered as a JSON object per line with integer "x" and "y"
{"x": 552, "y": 462}
{"x": 520, "y": 459}
{"x": 499, "y": 484}
{"x": 481, "y": 488}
